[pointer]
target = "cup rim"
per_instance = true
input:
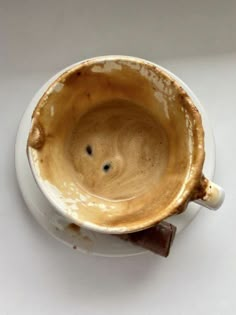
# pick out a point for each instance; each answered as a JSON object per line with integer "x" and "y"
{"x": 195, "y": 174}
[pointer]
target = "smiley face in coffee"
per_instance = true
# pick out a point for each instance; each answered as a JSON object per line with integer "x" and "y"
{"x": 115, "y": 148}
{"x": 114, "y": 145}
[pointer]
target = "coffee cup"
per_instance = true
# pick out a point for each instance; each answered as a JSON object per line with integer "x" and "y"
{"x": 117, "y": 145}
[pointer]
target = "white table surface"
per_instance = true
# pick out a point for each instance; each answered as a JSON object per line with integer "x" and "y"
{"x": 39, "y": 275}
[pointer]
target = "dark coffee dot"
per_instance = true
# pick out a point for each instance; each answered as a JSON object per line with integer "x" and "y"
{"x": 78, "y": 73}
{"x": 89, "y": 150}
{"x": 106, "y": 167}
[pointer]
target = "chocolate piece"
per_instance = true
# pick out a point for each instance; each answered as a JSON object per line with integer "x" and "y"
{"x": 157, "y": 239}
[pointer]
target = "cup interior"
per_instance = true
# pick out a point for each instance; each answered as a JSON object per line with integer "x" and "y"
{"x": 116, "y": 144}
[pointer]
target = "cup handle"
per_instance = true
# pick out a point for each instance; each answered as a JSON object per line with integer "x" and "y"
{"x": 209, "y": 194}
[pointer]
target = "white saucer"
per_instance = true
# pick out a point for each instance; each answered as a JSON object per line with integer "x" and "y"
{"x": 87, "y": 241}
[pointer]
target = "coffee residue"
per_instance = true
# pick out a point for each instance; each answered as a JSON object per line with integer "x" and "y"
{"x": 74, "y": 227}
{"x": 125, "y": 147}
{"x": 36, "y": 138}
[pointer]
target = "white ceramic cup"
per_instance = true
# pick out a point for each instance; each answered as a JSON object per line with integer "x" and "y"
{"x": 210, "y": 195}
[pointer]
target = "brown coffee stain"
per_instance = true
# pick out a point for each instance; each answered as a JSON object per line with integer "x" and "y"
{"x": 76, "y": 229}
{"x": 73, "y": 227}
{"x": 36, "y": 138}
{"x": 200, "y": 190}
{"x": 146, "y": 140}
